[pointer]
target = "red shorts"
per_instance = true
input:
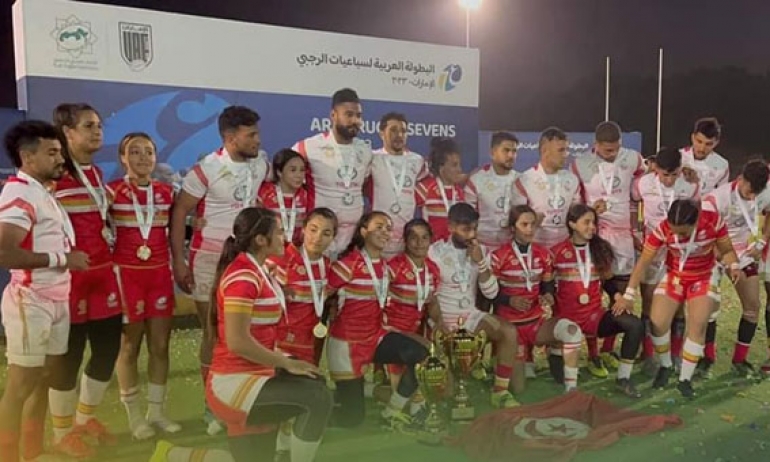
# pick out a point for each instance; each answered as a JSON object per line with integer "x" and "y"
{"x": 146, "y": 293}
{"x": 230, "y": 398}
{"x": 527, "y": 334}
{"x": 687, "y": 290}
{"x": 588, "y": 323}
{"x": 347, "y": 359}
{"x": 94, "y": 295}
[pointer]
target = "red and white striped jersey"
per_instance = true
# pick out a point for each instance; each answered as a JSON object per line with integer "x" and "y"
{"x": 490, "y": 194}
{"x": 359, "y": 316}
{"x": 224, "y": 188}
{"x": 243, "y": 290}
{"x": 128, "y": 237}
{"x": 570, "y": 286}
{"x": 26, "y": 203}
{"x": 550, "y": 195}
{"x": 84, "y": 213}
{"x": 268, "y": 196}
{"x": 435, "y": 209}
{"x": 699, "y": 247}
{"x": 402, "y": 311}
{"x": 512, "y": 278}
{"x": 292, "y": 274}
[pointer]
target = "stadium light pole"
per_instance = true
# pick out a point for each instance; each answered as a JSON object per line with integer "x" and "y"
{"x": 469, "y": 5}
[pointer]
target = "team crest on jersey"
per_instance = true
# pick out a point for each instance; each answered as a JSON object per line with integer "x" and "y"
{"x": 161, "y": 303}
{"x": 159, "y": 198}
{"x": 409, "y": 275}
{"x": 557, "y": 202}
{"x": 301, "y": 270}
{"x": 140, "y": 307}
{"x": 567, "y": 254}
{"x": 328, "y": 151}
{"x": 239, "y": 193}
{"x": 112, "y": 300}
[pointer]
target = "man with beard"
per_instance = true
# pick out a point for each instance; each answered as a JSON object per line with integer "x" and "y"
{"x": 606, "y": 175}
{"x": 35, "y": 303}
{"x": 339, "y": 165}
{"x": 712, "y": 171}
{"x": 489, "y": 189}
{"x": 219, "y": 186}
{"x": 549, "y": 189}
{"x": 395, "y": 173}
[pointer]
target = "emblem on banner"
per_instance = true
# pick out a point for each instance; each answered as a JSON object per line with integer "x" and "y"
{"x": 74, "y": 36}
{"x": 135, "y": 45}
{"x": 450, "y": 77}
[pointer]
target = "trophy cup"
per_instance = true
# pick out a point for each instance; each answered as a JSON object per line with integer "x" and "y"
{"x": 432, "y": 374}
{"x": 464, "y": 351}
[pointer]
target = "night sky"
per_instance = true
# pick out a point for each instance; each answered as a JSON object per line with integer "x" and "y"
{"x": 542, "y": 61}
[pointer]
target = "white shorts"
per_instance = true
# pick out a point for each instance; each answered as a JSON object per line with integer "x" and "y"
{"x": 237, "y": 391}
{"x": 204, "y": 267}
{"x": 623, "y": 247}
{"x": 35, "y": 327}
{"x": 657, "y": 269}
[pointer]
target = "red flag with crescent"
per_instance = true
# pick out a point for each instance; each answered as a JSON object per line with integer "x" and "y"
{"x": 555, "y": 430}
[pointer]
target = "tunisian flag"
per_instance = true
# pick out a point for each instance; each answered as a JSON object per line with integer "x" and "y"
{"x": 555, "y": 430}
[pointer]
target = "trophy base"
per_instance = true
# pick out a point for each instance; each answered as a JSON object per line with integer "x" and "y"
{"x": 432, "y": 437}
{"x": 463, "y": 413}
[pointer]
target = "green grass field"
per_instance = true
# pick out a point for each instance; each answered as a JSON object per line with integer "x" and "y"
{"x": 729, "y": 421}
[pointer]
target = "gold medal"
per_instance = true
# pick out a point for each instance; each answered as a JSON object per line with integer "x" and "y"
{"x": 320, "y": 330}
{"x": 583, "y": 299}
{"x": 143, "y": 252}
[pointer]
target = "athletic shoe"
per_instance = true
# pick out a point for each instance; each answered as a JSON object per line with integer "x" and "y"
{"x": 744, "y": 370}
{"x": 165, "y": 425}
{"x": 597, "y": 369}
{"x": 704, "y": 370}
{"x": 610, "y": 360}
{"x": 661, "y": 379}
{"x": 96, "y": 430}
{"x": 162, "y": 448}
{"x": 74, "y": 446}
{"x": 141, "y": 430}
{"x": 529, "y": 371}
{"x": 685, "y": 388}
{"x": 503, "y": 400}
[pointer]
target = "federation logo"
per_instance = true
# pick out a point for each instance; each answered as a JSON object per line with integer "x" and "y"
{"x": 450, "y": 77}
{"x": 135, "y": 45}
{"x": 74, "y": 36}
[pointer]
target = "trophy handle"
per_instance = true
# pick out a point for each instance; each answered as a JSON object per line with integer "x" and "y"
{"x": 481, "y": 340}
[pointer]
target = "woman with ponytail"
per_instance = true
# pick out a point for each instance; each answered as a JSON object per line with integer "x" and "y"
{"x": 357, "y": 336}
{"x": 581, "y": 264}
{"x": 692, "y": 239}
{"x": 252, "y": 387}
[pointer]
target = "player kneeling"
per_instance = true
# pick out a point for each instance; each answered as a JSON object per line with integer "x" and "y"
{"x": 524, "y": 274}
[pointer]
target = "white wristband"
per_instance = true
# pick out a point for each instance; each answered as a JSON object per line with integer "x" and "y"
{"x": 629, "y": 297}
{"x": 630, "y": 291}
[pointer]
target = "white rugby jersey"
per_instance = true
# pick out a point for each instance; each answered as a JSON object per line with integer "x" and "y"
{"x": 26, "y": 203}
{"x": 609, "y": 181}
{"x": 391, "y": 173}
{"x": 459, "y": 278}
{"x": 224, "y": 188}
{"x": 713, "y": 171}
{"x": 490, "y": 194}
{"x": 550, "y": 195}
{"x": 336, "y": 175}
{"x": 743, "y": 218}
{"x": 657, "y": 199}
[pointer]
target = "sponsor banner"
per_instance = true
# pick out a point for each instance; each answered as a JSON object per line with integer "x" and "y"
{"x": 84, "y": 41}
{"x": 528, "y": 154}
{"x": 183, "y": 122}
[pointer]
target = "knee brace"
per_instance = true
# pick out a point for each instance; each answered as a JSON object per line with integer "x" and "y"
{"x": 567, "y": 331}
